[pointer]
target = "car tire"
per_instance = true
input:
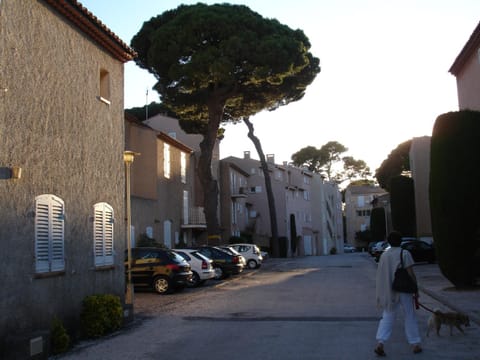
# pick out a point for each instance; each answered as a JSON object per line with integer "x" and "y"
{"x": 195, "y": 281}
{"x": 252, "y": 264}
{"x": 162, "y": 285}
{"x": 219, "y": 274}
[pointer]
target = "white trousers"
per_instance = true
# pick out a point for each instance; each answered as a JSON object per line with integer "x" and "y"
{"x": 385, "y": 326}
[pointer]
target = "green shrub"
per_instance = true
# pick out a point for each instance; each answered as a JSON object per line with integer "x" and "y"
{"x": 402, "y": 202}
{"x": 60, "y": 340}
{"x": 333, "y": 250}
{"x": 101, "y": 315}
{"x": 377, "y": 224}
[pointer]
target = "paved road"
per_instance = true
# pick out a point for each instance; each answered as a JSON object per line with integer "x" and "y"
{"x": 302, "y": 308}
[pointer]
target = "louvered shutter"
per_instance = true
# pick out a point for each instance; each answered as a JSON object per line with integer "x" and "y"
{"x": 49, "y": 234}
{"x": 103, "y": 234}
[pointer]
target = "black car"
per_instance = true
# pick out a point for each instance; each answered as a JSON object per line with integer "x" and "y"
{"x": 225, "y": 264}
{"x": 160, "y": 269}
{"x": 420, "y": 250}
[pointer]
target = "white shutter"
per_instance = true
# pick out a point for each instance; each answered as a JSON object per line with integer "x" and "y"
{"x": 42, "y": 263}
{"x": 49, "y": 234}
{"x": 103, "y": 234}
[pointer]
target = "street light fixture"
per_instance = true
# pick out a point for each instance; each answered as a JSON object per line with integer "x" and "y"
{"x": 128, "y": 157}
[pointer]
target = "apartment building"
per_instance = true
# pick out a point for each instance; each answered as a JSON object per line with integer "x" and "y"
{"x": 358, "y": 208}
{"x": 466, "y": 69}
{"x": 62, "y": 179}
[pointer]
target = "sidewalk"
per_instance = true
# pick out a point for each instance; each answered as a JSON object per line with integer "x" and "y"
{"x": 434, "y": 284}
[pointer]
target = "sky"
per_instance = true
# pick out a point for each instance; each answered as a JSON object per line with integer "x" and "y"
{"x": 384, "y": 71}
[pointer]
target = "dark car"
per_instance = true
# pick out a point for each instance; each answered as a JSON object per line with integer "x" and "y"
{"x": 225, "y": 264}
{"x": 160, "y": 269}
{"x": 420, "y": 250}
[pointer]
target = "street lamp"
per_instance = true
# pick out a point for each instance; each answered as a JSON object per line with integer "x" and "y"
{"x": 128, "y": 157}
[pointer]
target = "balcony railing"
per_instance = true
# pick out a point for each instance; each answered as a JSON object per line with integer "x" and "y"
{"x": 196, "y": 218}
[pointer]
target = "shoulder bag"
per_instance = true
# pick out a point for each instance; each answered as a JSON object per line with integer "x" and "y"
{"x": 402, "y": 281}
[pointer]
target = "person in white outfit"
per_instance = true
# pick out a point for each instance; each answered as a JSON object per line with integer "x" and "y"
{"x": 390, "y": 301}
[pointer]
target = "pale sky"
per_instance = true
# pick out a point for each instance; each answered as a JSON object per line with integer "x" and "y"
{"x": 384, "y": 76}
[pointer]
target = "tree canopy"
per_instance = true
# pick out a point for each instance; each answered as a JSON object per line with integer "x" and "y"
{"x": 397, "y": 163}
{"x": 222, "y": 62}
{"x": 322, "y": 161}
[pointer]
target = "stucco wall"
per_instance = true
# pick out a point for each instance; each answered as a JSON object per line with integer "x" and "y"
{"x": 468, "y": 84}
{"x": 69, "y": 144}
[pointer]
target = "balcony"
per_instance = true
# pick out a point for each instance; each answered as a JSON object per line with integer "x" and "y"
{"x": 241, "y": 192}
{"x": 195, "y": 220}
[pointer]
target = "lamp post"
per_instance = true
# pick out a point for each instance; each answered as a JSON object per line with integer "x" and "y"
{"x": 128, "y": 157}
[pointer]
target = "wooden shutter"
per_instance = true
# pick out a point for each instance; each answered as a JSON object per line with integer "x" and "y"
{"x": 49, "y": 234}
{"x": 103, "y": 234}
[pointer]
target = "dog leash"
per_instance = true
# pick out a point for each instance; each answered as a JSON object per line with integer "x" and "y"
{"x": 418, "y": 303}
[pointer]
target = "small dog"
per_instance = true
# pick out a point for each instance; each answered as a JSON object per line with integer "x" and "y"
{"x": 452, "y": 319}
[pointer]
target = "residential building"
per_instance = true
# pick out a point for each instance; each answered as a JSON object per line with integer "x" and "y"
{"x": 196, "y": 221}
{"x": 358, "y": 208}
{"x": 62, "y": 178}
{"x": 308, "y": 211}
{"x": 420, "y": 167}
{"x": 162, "y": 188}
{"x": 466, "y": 69}
{"x": 237, "y": 218}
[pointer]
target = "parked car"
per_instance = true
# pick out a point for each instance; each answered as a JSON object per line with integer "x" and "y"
{"x": 420, "y": 250}
{"x": 202, "y": 267}
{"x": 225, "y": 264}
{"x": 378, "y": 249}
{"x": 160, "y": 269}
{"x": 349, "y": 248}
{"x": 251, "y": 253}
{"x": 233, "y": 251}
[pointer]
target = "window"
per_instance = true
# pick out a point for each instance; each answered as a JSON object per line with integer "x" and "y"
{"x": 105, "y": 86}
{"x": 183, "y": 167}
{"x": 363, "y": 212}
{"x": 256, "y": 189}
{"x": 103, "y": 234}
{"x": 306, "y": 195}
{"x": 49, "y": 233}
{"x": 166, "y": 161}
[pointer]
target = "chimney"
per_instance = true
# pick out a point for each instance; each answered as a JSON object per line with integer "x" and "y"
{"x": 246, "y": 154}
{"x": 271, "y": 158}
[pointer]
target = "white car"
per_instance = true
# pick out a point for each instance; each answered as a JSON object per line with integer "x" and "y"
{"x": 251, "y": 253}
{"x": 202, "y": 267}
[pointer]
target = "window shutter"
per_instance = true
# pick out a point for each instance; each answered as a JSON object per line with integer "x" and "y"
{"x": 49, "y": 234}
{"x": 42, "y": 263}
{"x": 103, "y": 234}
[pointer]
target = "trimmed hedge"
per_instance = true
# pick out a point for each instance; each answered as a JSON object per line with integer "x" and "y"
{"x": 377, "y": 224}
{"x": 455, "y": 194}
{"x": 402, "y": 202}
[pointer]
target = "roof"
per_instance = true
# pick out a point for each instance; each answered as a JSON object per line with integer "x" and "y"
{"x": 174, "y": 142}
{"x": 468, "y": 50}
{"x": 89, "y": 24}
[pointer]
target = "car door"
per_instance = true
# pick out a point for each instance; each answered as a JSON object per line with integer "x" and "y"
{"x": 144, "y": 263}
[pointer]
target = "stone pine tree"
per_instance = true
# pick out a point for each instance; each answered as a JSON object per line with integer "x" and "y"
{"x": 218, "y": 63}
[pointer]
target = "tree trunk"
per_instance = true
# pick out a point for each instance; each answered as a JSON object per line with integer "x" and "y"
{"x": 268, "y": 185}
{"x": 204, "y": 169}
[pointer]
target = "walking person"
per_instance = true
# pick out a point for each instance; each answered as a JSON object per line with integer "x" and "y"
{"x": 390, "y": 301}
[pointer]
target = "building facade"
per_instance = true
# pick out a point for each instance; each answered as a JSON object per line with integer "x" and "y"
{"x": 358, "y": 208}
{"x": 466, "y": 69}
{"x": 62, "y": 180}
{"x": 308, "y": 210}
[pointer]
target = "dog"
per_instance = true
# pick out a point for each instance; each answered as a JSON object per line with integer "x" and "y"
{"x": 452, "y": 319}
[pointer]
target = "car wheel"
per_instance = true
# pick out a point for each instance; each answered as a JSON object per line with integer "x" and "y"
{"x": 194, "y": 281}
{"x": 162, "y": 285}
{"x": 252, "y": 264}
{"x": 219, "y": 273}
